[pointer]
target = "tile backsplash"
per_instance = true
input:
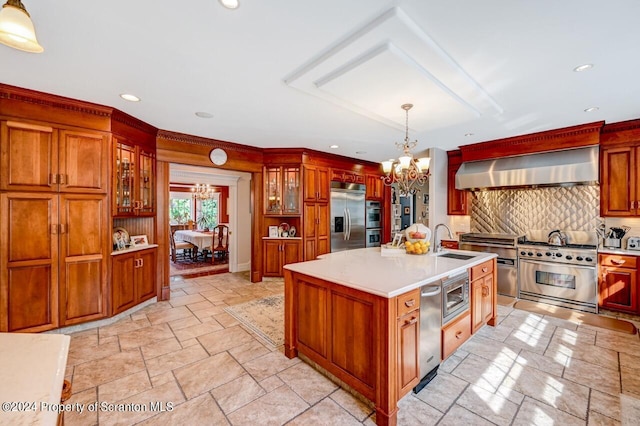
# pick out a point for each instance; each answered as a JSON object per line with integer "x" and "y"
{"x": 517, "y": 211}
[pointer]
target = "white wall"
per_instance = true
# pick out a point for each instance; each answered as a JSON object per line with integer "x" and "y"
{"x": 239, "y": 206}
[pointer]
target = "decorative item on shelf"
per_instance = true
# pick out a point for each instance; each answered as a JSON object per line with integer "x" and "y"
{"x": 203, "y": 192}
{"x": 16, "y": 28}
{"x": 139, "y": 241}
{"x": 292, "y": 231}
{"x": 406, "y": 172}
{"x": 121, "y": 239}
{"x": 284, "y": 229}
{"x": 273, "y": 232}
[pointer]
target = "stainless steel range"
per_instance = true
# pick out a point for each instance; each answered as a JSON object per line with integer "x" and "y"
{"x": 504, "y": 245}
{"x": 561, "y": 274}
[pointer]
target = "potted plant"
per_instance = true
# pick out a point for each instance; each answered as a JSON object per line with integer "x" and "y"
{"x": 204, "y": 222}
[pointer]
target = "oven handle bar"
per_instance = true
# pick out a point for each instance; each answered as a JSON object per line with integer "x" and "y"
{"x": 565, "y": 265}
{"x": 506, "y": 262}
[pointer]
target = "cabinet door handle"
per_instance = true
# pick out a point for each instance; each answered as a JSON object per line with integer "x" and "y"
{"x": 485, "y": 269}
{"x": 63, "y": 228}
{"x": 141, "y": 263}
{"x": 618, "y": 261}
{"x": 413, "y": 320}
{"x": 53, "y": 178}
{"x": 54, "y": 229}
{"x": 409, "y": 303}
{"x": 62, "y": 179}
{"x": 458, "y": 334}
{"x": 633, "y": 205}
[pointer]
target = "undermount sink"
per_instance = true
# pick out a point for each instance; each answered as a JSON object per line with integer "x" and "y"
{"x": 455, "y": 256}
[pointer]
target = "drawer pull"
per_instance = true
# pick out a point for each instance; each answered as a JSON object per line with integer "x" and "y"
{"x": 409, "y": 303}
{"x": 618, "y": 261}
{"x": 413, "y": 320}
{"x": 458, "y": 334}
{"x": 485, "y": 269}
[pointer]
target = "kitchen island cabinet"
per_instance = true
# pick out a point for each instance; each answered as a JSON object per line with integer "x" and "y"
{"x": 356, "y": 315}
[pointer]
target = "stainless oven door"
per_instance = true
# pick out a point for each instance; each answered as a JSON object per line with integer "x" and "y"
{"x": 568, "y": 285}
{"x": 373, "y": 237}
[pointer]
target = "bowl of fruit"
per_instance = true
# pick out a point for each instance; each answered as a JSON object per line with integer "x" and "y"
{"x": 417, "y": 238}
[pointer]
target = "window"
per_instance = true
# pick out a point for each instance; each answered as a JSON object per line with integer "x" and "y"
{"x": 207, "y": 212}
{"x": 180, "y": 208}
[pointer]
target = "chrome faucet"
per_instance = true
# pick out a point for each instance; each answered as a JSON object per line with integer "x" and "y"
{"x": 438, "y": 247}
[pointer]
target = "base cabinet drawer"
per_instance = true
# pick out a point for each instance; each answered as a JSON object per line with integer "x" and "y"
{"x": 455, "y": 334}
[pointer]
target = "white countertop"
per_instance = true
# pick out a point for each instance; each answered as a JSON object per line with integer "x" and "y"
{"x": 32, "y": 373}
{"x": 131, "y": 249}
{"x": 281, "y": 238}
{"x": 366, "y": 270}
{"x": 618, "y": 251}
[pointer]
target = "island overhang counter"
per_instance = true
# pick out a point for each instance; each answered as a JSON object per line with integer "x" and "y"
{"x": 355, "y": 314}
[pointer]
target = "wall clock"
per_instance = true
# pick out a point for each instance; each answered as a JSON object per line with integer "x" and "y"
{"x": 218, "y": 156}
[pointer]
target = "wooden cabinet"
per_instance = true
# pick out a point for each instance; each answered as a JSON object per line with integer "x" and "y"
{"x": 457, "y": 200}
{"x": 53, "y": 268}
{"x": 40, "y": 157}
{"x": 282, "y": 190}
{"x": 455, "y": 334}
{"x": 316, "y": 183}
{"x": 617, "y": 283}
{"x": 316, "y": 234}
{"x": 280, "y": 252}
{"x": 134, "y": 179}
{"x": 408, "y": 341}
{"x": 482, "y": 294}
{"x": 620, "y": 181}
{"x": 134, "y": 279}
{"x": 375, "y": 188}
{"x": 347, "y": 176}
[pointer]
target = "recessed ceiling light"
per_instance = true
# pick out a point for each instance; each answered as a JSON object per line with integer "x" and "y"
{"x": 230, "y": 4}
{"x": 592, "y": 109}
{"x": 583, "y": 67}
{"x": 203, "y": 114}
{"x": 468, "y": 134}
{"x": 334, "y": 147}
{"x": 129, "y": 97}
{"x": 361, "y": 152}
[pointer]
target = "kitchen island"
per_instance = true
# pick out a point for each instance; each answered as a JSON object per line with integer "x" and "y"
{"x": 356, "y": 315}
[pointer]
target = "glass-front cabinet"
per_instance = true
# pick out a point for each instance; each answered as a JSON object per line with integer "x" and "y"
{"x": 134, "y": 175}
{"x": 282, "y": 190}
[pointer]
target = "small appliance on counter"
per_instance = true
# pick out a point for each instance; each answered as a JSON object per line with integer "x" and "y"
{"x": 613, "y": 239}
{"x": 633, "y": 243}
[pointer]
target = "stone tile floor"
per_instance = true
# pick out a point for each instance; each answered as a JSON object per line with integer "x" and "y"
{"x": 188, "y": 354}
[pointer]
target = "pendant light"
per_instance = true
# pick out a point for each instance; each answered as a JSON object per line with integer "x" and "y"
{"x": 16, "y": 28}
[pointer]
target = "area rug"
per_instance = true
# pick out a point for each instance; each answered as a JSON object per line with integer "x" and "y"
{"x": 188, "y": 267}
{"x": 577, "y": 317}
{"x": 265, "y": 317}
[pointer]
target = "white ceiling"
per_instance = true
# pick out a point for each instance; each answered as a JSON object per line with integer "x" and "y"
{"x": 315, "y": 73}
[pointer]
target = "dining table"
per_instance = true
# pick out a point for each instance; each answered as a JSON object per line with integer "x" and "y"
{"x": 200, "y": 239}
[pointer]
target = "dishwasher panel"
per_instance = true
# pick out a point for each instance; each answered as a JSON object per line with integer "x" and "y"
{"x": 430, "y": 330}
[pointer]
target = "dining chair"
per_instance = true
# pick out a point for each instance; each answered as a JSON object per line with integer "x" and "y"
{"x": 184, "y": 246}
{"x": 220, "y": 242}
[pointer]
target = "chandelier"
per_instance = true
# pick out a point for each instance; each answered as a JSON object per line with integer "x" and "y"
{"x": 406, "y": 172}
{"x": 16, "y": 28}
{"x": 202, "y": 192}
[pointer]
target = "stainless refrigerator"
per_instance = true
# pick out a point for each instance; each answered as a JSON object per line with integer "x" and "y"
{"x": 347, "y": 216}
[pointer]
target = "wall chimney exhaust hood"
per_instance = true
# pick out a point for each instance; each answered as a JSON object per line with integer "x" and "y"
{"x": 557, "y": 168}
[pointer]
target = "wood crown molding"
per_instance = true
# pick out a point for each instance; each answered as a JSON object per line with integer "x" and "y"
{"x": 133, "y": 122}
{"x": 621, "y": 132}
{"x": 557, "y": 139}
{"x": 211, "y": 143}
{"x": 54, "y": 101}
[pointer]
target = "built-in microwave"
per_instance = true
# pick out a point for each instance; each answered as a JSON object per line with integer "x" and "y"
{"x": 374, "y": 214}
{"x": 455, "y": 296}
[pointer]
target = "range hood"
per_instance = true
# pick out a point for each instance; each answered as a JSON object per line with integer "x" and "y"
{"x": 568, "y": 167}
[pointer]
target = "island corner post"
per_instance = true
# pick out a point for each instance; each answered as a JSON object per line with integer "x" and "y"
{"x": 349, "y": 333}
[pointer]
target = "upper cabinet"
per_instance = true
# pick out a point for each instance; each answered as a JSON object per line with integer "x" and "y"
{"x": 134, "y": 179}
{"x": 620, "y": 180}
{"x": 375, "y": 188}
{"x": 457, "y": 200}
{"x": 281, "y": 190}
{"x": 41, "y": 157}
{"x": 346, "y": 176}
{"x": 316, "y": 183}
{"x": 619, "y": 174}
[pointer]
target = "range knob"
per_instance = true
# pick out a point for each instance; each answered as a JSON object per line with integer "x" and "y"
{"x": 522, "y": 253}
{"x": 569, "y": 257}
{"x": 548, "y": 253}
{"x": 588, "y": 259}
{"x": 579, "y": 258}
{"x": 558, "y": 254}
{"x": 539, "y": 254}
{"x": 530, "y": 254}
